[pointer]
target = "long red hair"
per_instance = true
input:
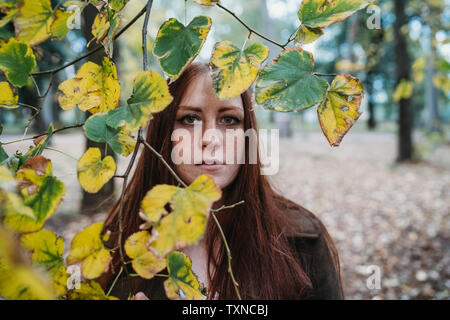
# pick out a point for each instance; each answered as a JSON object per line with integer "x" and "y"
{"x": 264, "y": 262}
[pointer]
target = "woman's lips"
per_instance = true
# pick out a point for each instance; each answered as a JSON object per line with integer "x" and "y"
{"x": 210, "y": 167}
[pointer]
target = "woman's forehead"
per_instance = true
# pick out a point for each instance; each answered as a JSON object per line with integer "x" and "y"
{"x": 200, "y": 93}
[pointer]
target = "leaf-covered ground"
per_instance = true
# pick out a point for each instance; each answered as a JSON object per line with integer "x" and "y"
{"x": 379, "y": 214}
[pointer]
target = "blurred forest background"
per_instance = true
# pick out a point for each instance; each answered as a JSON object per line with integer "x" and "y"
{"x": 384, "y": 193}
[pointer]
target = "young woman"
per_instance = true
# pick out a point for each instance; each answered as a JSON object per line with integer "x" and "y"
{"x": 279, "y": 249}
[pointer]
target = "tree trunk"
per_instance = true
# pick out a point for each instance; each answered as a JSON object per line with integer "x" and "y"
{"x": 403, "y": 62}
{"x": 431, "y": 102}
{"x": 96, "y": 202}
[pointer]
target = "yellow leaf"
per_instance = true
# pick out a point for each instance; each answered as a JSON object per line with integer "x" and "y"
{"x": 403, "y": 90}
{"x": 145, "y": 262}
{"x": 87, "y": 247}
{"x": 95, "y": 88}
{"x": 8, "y": 98}
{"x": 186, "y": 223}
{"x": 18, "y": 280}
{"x": 93, "y": 172}
{"x": 33, "y": 24}
{"x": 340, "y": 109}
{"x": 89, "y": 291}
{"x": 233, "y": 70}
{"x": 47, "y": 250}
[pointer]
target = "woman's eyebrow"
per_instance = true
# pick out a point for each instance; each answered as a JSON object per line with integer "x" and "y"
{"x": 221, "y": 109}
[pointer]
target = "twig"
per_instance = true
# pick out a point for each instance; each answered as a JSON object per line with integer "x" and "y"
{"x": 114, "y": 282}
{"x": 165, "y": 163}
{"x": 230, "y": 270}
{"x": 228, "y": 207}
{"x": 42, "y": 134}
{"x": 248, "y": 28}
{"x": 144, "y": 34}
{"x": 325, "y": 74}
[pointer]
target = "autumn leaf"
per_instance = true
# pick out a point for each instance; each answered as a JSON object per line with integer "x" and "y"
{"x": 306, "y": 35}
{"x": 144, "y": 261}
{"x": 18, "y": 280}
{"x": 87, "y": 247}
{"x": 176, "y": 45}
{"x": 320, "y": 13}
{"x": 288, "y": 84}
{"x": 340, "y": 109}
{"x": 93, "y": 172}
{"x": 47, "y": 250}
{"x": 94, "y": 88}
{"x": 403, "y": 90}
{"x": 89, "y": 291}
{"x": 233, "y": 70}
{"x": 150, "y": 95}
{"x": 8, "y": 97}
{"x": 186, "y": 223}
{"x": 34, "y": 21}
{"x": 182, "y": 284}
{"x": 17, "y": 60}
{"x": 41, "y": 192}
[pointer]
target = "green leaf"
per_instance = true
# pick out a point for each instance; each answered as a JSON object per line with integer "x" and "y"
{"x": 340, "y": 109}
{"x": 233, "y": 70}
{"x": 117, "y": 5}
{"x": 87, "y": 247}
{"x": 40, "y": 145}
{"x": 186, "y": 223}
{"x": 176, "y": 45}
{"x": 182, "y": 284}
{"x": 17, "y": 60}
{"x": 41, "y": 192}
{"x": 34, "y": 21}
{"x": 288, "y": 84}
{"x": 120, "y": 141}
{"x": 47, "y": 250}
{"x": 322, "y": 13}
{"x": 150, "y": 95}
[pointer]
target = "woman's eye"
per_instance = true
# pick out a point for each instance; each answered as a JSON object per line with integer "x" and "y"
{"x": 189, "y": 119}
{"x": 230, "y": 120}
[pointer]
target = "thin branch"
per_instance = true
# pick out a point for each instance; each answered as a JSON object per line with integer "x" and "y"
{"x": 248, "y": 28}
{"x": 114, "y": 282}
{"x": 230, "y": 270}
{"x": 144, "y": 34}
{"x": 228, "y": 207}
{"x": 165, "y": 163}
{"x": 42, "y": 134}
{"x": 325, "y": 74}
{"x": 129, "y": 24}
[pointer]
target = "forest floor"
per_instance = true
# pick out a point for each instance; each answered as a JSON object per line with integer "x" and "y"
{"x": 386, "y": 219}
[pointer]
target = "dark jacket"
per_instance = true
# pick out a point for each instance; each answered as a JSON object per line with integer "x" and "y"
{"x": 306, "y": 233}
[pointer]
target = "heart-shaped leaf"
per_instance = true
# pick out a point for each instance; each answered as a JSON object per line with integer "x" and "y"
{"x": 87, "y": 247}
{"x": 233, "y": 70}
{"x": 340, "y": 109}
{"x": 288, "y": 84}
{"x": 93, "y": 172}
{"x": 176, "y": 45}
{"x": 17, "y": 60}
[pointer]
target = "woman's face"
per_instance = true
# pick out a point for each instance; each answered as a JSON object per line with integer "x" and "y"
{"x": 199, "y": 141}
